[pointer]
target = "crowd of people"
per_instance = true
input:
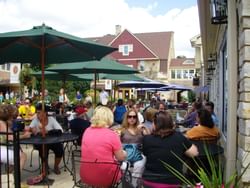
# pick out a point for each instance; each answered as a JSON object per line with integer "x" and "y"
{"x": 106, "y": 130}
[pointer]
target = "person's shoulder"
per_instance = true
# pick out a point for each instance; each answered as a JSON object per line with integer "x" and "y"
{"x": 148, "y": 137}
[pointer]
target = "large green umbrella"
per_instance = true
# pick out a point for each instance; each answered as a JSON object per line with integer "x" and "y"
{"x": 61, "y": 77}
{"x": 105, "y": 65}
{"x": 109, "y": 76}
{"x": 44, "y": 45}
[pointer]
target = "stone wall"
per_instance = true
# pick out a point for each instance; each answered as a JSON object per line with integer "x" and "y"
{"x": 243, "y": 112}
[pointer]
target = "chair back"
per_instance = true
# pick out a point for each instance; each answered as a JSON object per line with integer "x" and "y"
{"x": 96, "y": 173}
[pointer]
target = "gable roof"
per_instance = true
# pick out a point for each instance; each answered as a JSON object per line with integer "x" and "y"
{"x": 181, "y": 62}
{"x": 158, "y": 42}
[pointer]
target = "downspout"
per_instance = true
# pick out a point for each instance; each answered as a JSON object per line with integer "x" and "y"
{"x": 232, "y": 92}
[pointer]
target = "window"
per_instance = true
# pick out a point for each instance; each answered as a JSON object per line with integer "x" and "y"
{"x": 125, "y": 49}
{"x": 141, "y": 66}
{"x": 191, "y": 74}
{"x": 224, "y": 90}
{"x": 185, "y": 74}
{"x": 188, "y": 62}
{"x": 8, "y": 66}
{"x": 179, "y": 74}
{"x": 173, "y": 74}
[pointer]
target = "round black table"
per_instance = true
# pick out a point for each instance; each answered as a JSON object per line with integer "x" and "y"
{"x": 50, "y": 139}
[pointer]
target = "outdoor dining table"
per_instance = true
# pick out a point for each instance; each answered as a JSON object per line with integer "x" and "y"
{"x": 65, "y": 137}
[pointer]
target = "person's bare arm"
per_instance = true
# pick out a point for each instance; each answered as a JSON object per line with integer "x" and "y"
{"x": 120, "y": 155}
{"x": 192, "y": 151}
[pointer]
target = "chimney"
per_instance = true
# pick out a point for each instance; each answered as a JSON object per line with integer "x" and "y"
{"x": 118, "y": 29}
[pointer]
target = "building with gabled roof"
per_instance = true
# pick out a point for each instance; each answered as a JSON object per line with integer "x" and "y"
{"x": 150, "y": 53}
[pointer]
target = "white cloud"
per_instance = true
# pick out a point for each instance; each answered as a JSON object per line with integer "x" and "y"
{"x": 97, "y": 17}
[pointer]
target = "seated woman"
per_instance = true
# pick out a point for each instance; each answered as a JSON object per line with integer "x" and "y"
{"x": 8, "y": 114}
{"x": 206, "y": 130}
{"x": 163, "y": 145}
{"x": 100, "y": 150}
{"x": 50, "y": 124}
{"x": 132, "y": 133}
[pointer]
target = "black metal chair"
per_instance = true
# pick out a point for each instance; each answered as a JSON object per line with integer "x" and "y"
{"x": 76, "y": 160}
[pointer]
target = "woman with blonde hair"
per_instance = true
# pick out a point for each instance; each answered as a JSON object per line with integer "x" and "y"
{"x": 100, "y": 150}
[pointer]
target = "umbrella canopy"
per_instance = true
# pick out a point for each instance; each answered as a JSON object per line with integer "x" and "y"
{"x": 201, "y": 89}
{"x": 105, "y": 65}
{"x": 175, "y": 87}
{"x": 60, "y": 76}
{"x": 44, "y": 45}
{"x": 30, "y": 46}
{"x": 110, "y": 76}
{"x": 142, "y": 84}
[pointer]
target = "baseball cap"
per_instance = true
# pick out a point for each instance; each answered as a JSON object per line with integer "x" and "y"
{"x": 80, "y": 110}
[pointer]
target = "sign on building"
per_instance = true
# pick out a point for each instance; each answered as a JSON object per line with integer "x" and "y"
{"x": 15, "y": 69}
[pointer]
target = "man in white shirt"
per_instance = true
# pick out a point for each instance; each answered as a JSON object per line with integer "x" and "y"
{"x": 103, "y": 97}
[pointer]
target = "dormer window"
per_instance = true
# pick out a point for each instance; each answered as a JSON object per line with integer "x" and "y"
{"x": 125, "y": 49}
{"x": 188, "y": 62}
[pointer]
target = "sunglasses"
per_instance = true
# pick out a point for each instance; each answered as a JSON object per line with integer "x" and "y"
{"x": 135, "y": 117}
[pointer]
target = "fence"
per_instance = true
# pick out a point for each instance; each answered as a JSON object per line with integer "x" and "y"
{"x": 6, "y": 179}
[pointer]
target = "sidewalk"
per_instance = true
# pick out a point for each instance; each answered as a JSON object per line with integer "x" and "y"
{"x": 65, "y": 179}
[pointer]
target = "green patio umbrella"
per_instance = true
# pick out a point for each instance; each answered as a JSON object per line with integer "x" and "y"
{"x": 109, "y": 76}
{"x": 44, "y": 45}
{"x": 105, "y": 65}
{"x": 61, "y": 77}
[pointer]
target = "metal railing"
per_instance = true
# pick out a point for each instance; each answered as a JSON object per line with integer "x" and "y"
{"x": 6, "y": 165}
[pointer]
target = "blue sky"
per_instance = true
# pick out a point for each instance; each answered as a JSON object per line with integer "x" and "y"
{"x": 162, "y": 6}
{"x": 91, "y": 18}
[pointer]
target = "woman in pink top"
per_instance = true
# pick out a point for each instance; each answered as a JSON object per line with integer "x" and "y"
{"x": 100, "y": 148}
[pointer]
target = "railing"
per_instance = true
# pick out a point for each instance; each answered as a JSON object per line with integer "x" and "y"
{"x": 6, "y": 166}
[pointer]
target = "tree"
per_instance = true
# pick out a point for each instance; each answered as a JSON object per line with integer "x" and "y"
{"x": 26, "y": 79}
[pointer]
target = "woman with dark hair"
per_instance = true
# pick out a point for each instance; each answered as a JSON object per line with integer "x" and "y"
{"x": 206, "y": 129}
{"x": 163, "y": 146}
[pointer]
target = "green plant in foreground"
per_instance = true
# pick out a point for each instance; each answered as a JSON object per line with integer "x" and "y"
{"x": 209, "y": 179}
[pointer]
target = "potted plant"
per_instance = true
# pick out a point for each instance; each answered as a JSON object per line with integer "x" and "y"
{"x": 212, "y": 178}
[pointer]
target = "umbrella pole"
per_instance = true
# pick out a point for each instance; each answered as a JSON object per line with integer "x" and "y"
{"x": 43, "y": 107}
{"x": 95, "y": 88}
{"x": 115, "y": 82}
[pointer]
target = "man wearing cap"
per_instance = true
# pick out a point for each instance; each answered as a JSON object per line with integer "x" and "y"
{"x": 80, "y": 123}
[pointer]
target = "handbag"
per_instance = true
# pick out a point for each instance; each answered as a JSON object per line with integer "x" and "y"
{"x": 133, "y": 153}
